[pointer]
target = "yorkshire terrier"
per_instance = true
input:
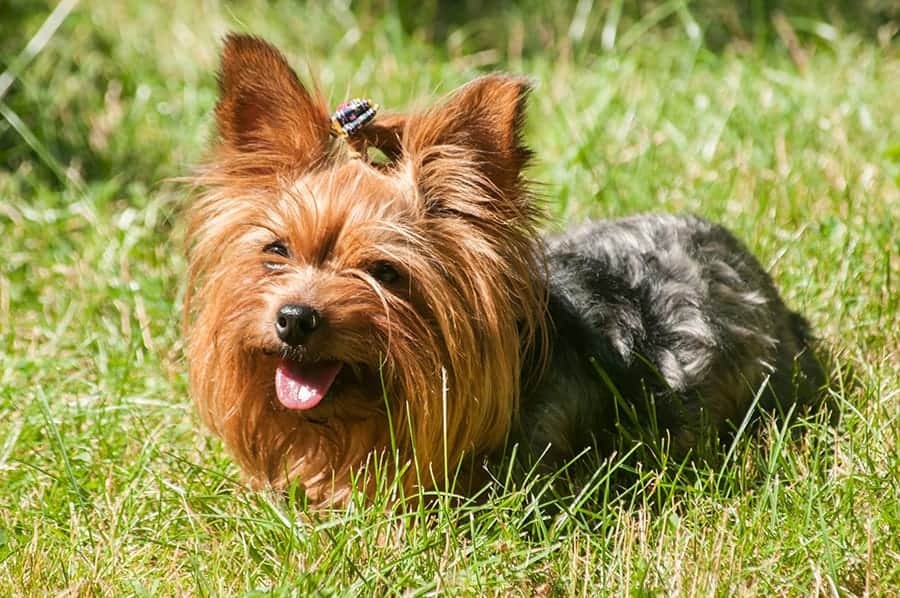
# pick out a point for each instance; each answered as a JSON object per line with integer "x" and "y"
{"x": 342, "y": 307}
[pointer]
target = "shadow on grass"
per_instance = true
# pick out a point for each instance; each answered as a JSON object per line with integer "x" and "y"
{"x": 75, "y": 123}
{"x": 722, "y": 22}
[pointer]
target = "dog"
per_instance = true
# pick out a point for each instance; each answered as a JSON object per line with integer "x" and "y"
{"x": 343, "y": 307}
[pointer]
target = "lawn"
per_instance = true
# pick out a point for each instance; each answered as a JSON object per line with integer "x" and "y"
{"x": 784, "y": 125}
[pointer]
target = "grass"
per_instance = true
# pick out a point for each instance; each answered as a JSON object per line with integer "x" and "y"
{"x": 781, "y": 124}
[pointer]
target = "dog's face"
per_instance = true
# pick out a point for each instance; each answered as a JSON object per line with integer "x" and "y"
{"x": 320, "y": 292}
{"x": 335, "y": 303}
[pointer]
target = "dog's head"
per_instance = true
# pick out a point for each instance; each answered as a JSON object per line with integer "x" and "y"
{"x": 339, "y": 307}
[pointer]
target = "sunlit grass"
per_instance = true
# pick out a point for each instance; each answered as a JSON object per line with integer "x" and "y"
{"x": 111, "y": 486}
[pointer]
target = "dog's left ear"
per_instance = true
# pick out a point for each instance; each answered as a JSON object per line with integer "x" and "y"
{"x": 481, "y": 123}
{"x": 267, "y": 121}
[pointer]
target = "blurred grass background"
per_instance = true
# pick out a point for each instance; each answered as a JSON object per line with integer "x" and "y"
{"x": 777, "y": 118}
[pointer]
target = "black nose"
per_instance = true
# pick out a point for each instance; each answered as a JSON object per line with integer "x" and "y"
{"x": 295, "y": 323}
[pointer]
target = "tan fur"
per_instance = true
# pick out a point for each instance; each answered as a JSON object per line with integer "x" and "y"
{"x": 451, "y": 212}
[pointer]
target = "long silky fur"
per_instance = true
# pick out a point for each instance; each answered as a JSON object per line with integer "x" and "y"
{"x": 455, "y": 360}
{"x": 447, "y": 350}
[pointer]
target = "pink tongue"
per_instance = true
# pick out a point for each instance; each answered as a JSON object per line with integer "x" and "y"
{"x": 304, "y": 386}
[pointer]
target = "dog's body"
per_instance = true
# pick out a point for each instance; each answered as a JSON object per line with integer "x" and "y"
{"x": 676, "y": 317}
{"x": 339, "y": 310}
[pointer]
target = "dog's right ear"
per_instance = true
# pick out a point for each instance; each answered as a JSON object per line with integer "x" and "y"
{"x": 267, "y": 121}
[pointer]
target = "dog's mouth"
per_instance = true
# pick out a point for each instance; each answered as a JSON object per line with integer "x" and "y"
{"x": 302, "y": 386}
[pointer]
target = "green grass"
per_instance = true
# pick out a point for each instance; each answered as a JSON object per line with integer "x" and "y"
{"x": 108, "y": 485}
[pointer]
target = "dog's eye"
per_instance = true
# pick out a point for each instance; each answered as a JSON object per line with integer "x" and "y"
{"x": 384, "y": 273}
{"x": 277, "y": 248}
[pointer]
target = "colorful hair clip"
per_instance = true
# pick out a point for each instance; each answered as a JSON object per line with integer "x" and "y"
{"x": 352, "y": 115}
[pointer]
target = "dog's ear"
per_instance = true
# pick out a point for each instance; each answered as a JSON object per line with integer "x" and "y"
{"x": 481, "y": 124}
{"x": 267, "y": 121}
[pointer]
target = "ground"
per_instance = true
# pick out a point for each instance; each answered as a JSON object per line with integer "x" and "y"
{"x": 782, "y": 124}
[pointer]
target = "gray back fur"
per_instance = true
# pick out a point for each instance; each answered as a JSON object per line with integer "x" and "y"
{"x": 672, "y": 315}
